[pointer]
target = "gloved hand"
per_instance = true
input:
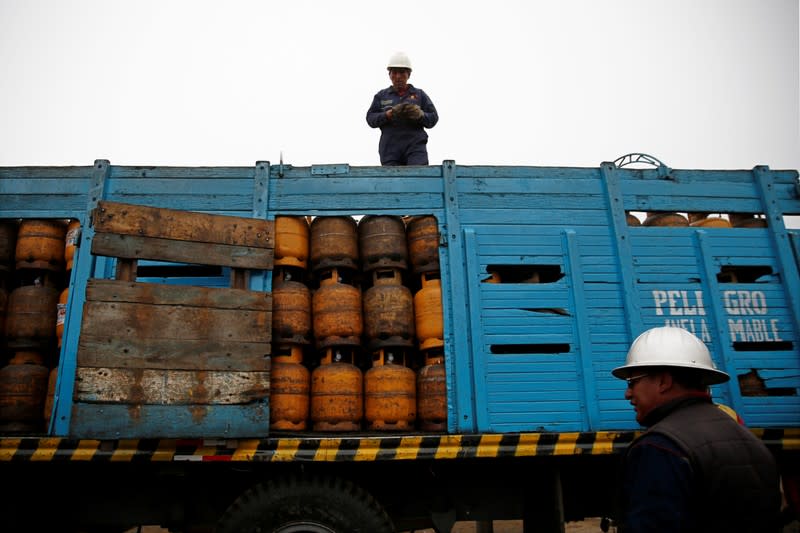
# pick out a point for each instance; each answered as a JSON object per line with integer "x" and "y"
{"x": 397, "y": 111}
{"x": 413, "y": 112}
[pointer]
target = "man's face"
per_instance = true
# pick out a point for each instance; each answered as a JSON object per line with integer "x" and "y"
{"x": 399, "y": 77}
{"x": 644, "y": 393}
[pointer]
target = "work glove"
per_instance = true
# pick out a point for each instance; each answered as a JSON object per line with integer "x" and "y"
{"x": 413, "y": 112}
{"x": 397, "y": 111}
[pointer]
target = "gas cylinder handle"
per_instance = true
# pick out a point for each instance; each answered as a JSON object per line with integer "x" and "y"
{"x": 643, "y": 159}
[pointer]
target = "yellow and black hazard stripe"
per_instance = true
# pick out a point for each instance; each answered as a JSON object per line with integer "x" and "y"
{"x": 342, "y": 448}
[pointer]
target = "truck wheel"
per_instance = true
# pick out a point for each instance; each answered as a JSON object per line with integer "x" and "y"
{"x": 305, "y": 505}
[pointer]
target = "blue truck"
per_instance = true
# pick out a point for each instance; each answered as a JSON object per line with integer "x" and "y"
{"x": 159, "y": 408}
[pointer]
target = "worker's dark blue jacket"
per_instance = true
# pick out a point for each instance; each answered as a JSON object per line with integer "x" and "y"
{"x": 402, "y": 142}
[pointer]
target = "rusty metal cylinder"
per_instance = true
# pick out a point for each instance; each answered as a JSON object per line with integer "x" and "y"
{"x": 40, "y": 244}
{"x": 52, "y": 379}
{"x": 428, "y": 314}
{"x": 71, "y": 242}
{"x": 390, "y": 395}
{"x": 61, "y": 314}
{"x": 632, "y": 220}
{"x": 291, "y": 312}
{"x": 747, "y": 220}
{"x": 23, "y": 391}
{"x": 31, "y": 316}
{"x": 290, "y": 387}
{"x": 388, "y": 311}
{"x": 665, "y": 219}
{"x": 432, "y": 395}
{"x": 3, "y": 308}
{"x": 337, "y": 395}
{"x": 334, "y": 243}
{"x": 336, "y": 312}
{"x": 8, "y": 244}
{"x": 422, "y": 236}
{"x": 382, "y": 242}
{"x": 710, "y": 222}
{"x": 291, "y": 241}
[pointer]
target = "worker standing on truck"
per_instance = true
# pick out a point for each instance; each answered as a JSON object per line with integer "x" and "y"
{"x": 402, "y": 112}
{"x": 695, "y": 469}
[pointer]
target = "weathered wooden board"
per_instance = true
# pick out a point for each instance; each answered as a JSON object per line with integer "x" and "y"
{"x": 171, "y": 224}
{"x": 138, "y": 232}
{"x": 169, "y": 387}
{"x": 149, "y": 325}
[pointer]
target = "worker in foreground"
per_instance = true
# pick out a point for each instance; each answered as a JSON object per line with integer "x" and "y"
{"x": 402, "y": 112}
{"x": 695, "y": 469}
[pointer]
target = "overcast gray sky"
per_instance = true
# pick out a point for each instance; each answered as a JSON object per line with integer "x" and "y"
{"x": 696, "y": 83}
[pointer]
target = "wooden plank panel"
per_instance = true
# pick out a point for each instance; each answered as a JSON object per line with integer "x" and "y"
{"x": 116, "y": 421}
{"x": 171, "y": 224}
{"x": 189, "y": 296}
{"x": 206, "y": 354}
{"x": 177, "y": 323}
{"x": 170, "y": 387}
{"x": 134, "y": 247}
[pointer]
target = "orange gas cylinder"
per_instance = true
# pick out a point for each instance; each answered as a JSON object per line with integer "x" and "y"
{"x": 52, "y": 379}
{"x": 665, "y": 219}
{"x": 3, "y": 307}
{"x": 710, "y": 222}
{"x": 337, "y": 394}
{"x": 382, "y": 242}
{"x": 432, "y": 395}
{"x": 71, "y": 242}
{"x": 422, "y": 233}
{"x": 747, "y": 220}
{"x": 8, "y": 243}
{"x": 336, "y": 312}
{"x": 632, "y": 219}
{"x": 290, "y": 384}
{"x": 61, "y": 314}
{"x": 428, "y": 312}
{"x": 334, "y": 243}
{"x": 31, "y": 316}
{"x": 23, "y": 388}
{"x": 40, "y": 244}
{"x": 291, "y": 241}
{"x": 388, "y": 311}
{"x": 390, "y": 394}
{"x": 291, "y": 311}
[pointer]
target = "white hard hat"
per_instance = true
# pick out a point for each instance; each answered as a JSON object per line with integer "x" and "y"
{"x": 399, "y": 60}
{"x": 671, "y": 347}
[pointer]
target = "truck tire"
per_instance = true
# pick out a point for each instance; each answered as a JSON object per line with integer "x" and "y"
{"x": 300, "y": 504}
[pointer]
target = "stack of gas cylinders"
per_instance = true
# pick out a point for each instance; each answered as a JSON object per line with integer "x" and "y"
{"x": 36, "y": 258}
{"x": 347, "y": 350}
{"x": 699, "y": 219}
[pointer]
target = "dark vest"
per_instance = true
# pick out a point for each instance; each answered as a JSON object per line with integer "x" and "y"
{"x": 735, "y": 476}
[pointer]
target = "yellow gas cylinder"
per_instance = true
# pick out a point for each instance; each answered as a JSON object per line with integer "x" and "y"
{"x": 632, "y": 220}
{"x": 290, "y": 386}
{"x": 61, "y": 314}
{"x": 8, "y": 244}
{"x": 23, "y": 389}
{"x": 40, "y": 244}
{"x": 31, "y": 316}
{"x": 390, "y": 393}
{"x": 291, "y": 241}
{"x": 665, "y": 219}
{"x": 428, "y": 316}
{"x": 388, "y": 311}
{"x": 337, "y": 393}
{"x": 291, "y": 311}
{"x": 422, "y": 235}
{"x": 71, "y": 242}
{"x": 709, "y": 222}
{"x": 494, "y": 277}
{"x": 432, "y": 393}
{"x": 382, "y": 242}
{"x": 334, "y": 243}
{"x": 336, "y": 312}
{"x": 747, "y": 220}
